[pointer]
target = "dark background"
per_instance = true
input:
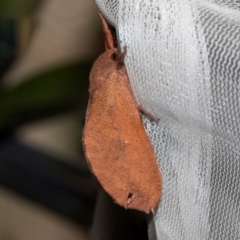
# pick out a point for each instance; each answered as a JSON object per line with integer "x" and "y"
{"x": 46, "y": 189}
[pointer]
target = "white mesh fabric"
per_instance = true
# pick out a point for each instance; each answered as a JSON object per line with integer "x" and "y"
{"x": 183, "y": 62}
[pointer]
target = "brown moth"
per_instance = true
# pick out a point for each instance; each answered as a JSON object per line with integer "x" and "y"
{"x": 116, "y": 145}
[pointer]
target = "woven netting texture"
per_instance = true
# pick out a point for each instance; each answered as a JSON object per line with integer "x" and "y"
{"x": 183, "y": 63}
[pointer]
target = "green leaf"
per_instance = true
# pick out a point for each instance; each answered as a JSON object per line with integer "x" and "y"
{"x": 53, "y": 89}
{"x": 16, "y": 8}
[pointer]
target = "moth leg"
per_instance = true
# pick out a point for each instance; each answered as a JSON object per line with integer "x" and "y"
{"x": 120, "y": 56}
{"x": 130, "y": 198}
{"x": 146, "y": 112}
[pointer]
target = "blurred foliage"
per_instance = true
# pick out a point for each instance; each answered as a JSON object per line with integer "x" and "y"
{"x": 53, "y": 90}
{"x": 10, "y": 13}
{"x": 16, "y": 8}
{"x": 7, "y": 44}
{"x": 45, "y": 93}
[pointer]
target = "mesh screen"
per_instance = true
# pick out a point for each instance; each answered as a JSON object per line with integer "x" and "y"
{"x": 183, "y": 63}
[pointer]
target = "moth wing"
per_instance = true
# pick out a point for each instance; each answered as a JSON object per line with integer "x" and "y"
{"x": 143, "y": 175}
{"x": 103, "y": 145}
{"x": 118, "y": 148}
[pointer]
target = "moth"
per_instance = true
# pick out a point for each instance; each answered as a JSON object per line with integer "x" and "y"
{"x": 115, "y": 142}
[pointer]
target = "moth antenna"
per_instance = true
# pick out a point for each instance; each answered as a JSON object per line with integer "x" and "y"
{"x": 109, "y": 41}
